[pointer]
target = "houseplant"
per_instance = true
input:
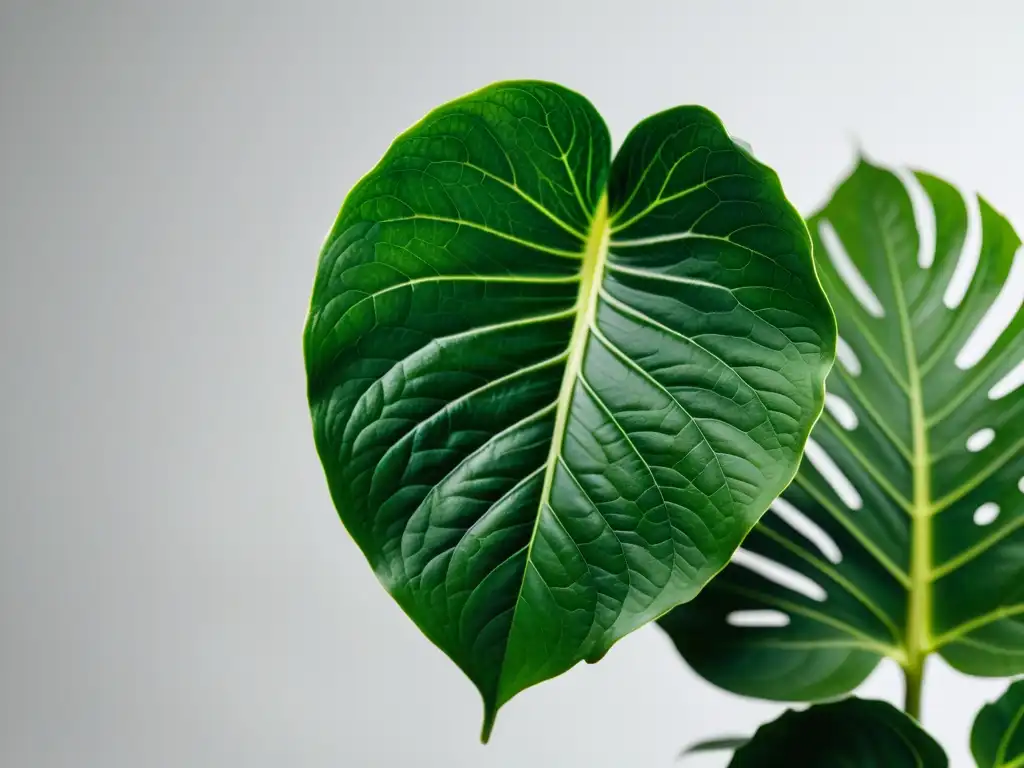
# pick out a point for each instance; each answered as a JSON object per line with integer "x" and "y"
{"x": 553, "y": 392}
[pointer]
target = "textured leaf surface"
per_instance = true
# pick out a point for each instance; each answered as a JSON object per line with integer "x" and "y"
{"x": 923, "y": 545}
{"x": 997, "y": 739}
{"x": 853, "y": 733}
{"x": 551, "y": 392}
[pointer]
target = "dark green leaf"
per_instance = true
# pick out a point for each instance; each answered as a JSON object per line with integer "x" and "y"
{"x": 997, "y": 739}
{"x": 853, "y": 733}
{"x": 551, "y": 392}
{"x": 723, "y": 744}
{"x": 920, "y": 565}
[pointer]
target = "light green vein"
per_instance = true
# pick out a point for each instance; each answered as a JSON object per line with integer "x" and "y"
{"x": 466, "y": 334}
{"x": 877, "y": 474}
{"x": 866, "y": 403}
{"x": 814, "y": 645}
{"x": 647, "y": 169}
{"x": 955, "y": 495}
{"x": 810, "y": 613}
{"x": 564, "y": 153}
{"x": 594, "y": 256}
{"x": 978, "y": 549}
{"x": 489, "y": 230}
{"x": 833, "y": 574}
{"x": 646, "y": 273}
{"x": 661, "y": 388}
{"x": 1003, "y": 612}
{"x": 981, "y": 378}
{"x": 650, "y": 321}
{"x": 660, "y": 201}
{"x": 519, "y": 191}
{"x": 643, "y": 459}
{"x": 1004, "y": 743}
{"x": 445, "y": 410}
{"x": 455, "y": 279}
{"x": 883, "y": 559}
{"x": 535, "y": 415}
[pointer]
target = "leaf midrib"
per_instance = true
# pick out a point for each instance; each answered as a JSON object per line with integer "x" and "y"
{"x": 595, "y": 255}
{"x": 918, "y": 627}
{"x": 919, "y": 641}
{"x": 594, "y": 258}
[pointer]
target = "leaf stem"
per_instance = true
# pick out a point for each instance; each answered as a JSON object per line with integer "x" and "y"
{"x": 914, "y": 679}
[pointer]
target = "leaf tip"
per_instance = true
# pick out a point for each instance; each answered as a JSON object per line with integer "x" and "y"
{"x": 490, "y": 715}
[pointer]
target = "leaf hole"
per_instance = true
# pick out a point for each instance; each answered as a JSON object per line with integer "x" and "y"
{"x": 833, "y": 475}
{"x": 986, "y": 514}
{"x": 779, "y": 574}
{"x": 1009, "y": 384}
{"x": 802, "y": 524}
{"x": 1020, "y": 485}
{"x": 757, "y": 619}
{"x": 847, "y": 357}
{"x": 981, "y": 439}
{"x": 848, "y": 270}
{"x": 924, "y": 216}
{"x": 841, "y": 411}
{"x": 970, "y": 254}
{"x": 997, "y": 317}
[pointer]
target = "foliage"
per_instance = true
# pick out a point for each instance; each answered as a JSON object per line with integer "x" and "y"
{"x": 907, "y": 515}
{"x": 554, "y": 390}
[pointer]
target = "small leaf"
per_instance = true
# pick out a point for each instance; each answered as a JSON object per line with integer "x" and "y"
{"x": 906, "y": 519}
{"x": 997, "y": 739}
{"x": 852, "y": 733}
{"x": 722, "y": 744}
{"x": 552, "y": 392}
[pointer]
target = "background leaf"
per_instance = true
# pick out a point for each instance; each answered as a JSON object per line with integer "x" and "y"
{"x": 997, "y": 739}
{"x": 903, "y": 532}
{"x": 853, "y": 733}
{"x": 553, "y": 393}
{"x": 721, "y": 744}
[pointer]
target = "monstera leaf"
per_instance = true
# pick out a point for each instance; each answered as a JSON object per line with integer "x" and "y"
{"x": 853, "y": 733}
{"x": 551, "y": 392}
{"x": 903, "y": 533}
{"x": 997, "y": 739}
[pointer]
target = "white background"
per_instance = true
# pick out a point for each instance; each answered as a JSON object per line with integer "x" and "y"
{"x": 175, "y": 587}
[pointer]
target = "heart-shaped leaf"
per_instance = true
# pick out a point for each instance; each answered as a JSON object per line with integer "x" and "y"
{"x": 997, "y": 739}
{"x": 852, "y": 733}
{"x": 552, "y": 393}
{"x": 903, "y": 532}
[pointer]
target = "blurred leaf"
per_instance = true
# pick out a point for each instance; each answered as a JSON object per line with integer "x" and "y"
{"x": 902, "y": 534}
{"x": 723, "y": 744}
{"x": 852, "y": 733}
{"x": 997, "y": 739}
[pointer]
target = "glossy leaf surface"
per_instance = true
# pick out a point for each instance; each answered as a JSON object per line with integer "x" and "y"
{"x": 903, "y": 534}
{"x": 552, "y": 392}
{"x": 853, "y": 733}
{"x": 997, "y": 739}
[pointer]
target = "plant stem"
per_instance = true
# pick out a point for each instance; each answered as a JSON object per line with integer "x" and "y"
{"x": 914, "y": 678}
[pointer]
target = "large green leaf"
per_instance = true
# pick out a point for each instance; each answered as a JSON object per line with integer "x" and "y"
{"x": 853, "y": 733}
{"x": 552, "y": 393}
{"x": 916, "y": 546}
{"x": 997, "y": 739}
